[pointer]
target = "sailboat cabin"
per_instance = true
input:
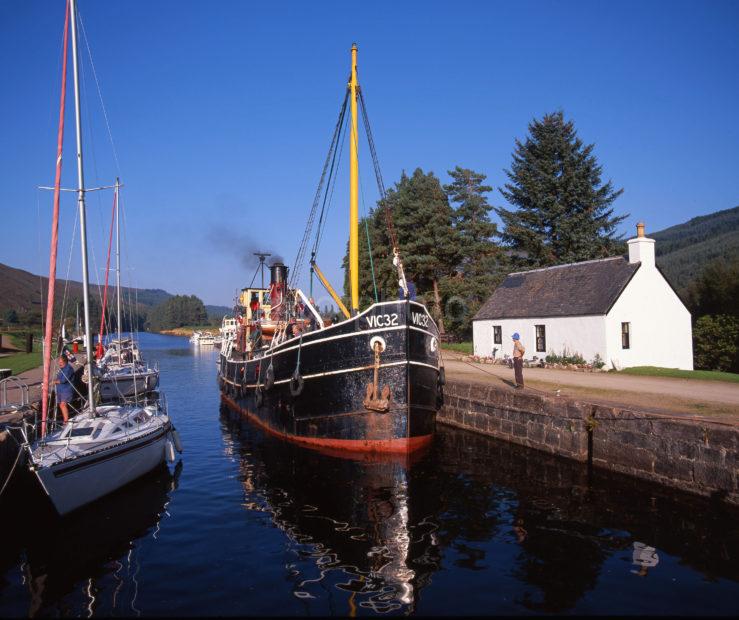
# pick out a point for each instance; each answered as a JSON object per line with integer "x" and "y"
{"x": 621, "y": 309}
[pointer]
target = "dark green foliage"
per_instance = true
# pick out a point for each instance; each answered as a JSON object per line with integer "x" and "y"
{"x": 177, "y": 311}
{"x": 216, "y": 313}
{"x": 715, "y": 290}
{"x": 563, "y": 211}
{"x": 448, "y": 253}
{"x": 716, "y": 343}
{"x": 429, "y": 244}
{"x": 10, "y": 316}
{"x": 482, "y": 265}
{"x": 684, "y": 250}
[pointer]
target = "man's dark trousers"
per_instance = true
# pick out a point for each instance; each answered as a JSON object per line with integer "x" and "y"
{"x": 518, "y": 370}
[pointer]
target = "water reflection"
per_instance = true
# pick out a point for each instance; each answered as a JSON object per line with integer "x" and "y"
{"x": 87, "y": 563}
{"x": 358, "y": 529}
{"x": 511, "y": 530}
{"x": 570, "y": 525}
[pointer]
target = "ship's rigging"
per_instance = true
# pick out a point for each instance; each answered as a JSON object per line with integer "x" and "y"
{"x": 324, "y": 194}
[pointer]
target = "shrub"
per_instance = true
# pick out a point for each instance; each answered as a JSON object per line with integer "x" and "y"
{"x": 716, "y": 342}
{"x": 565, "y": 358}
{"x": 598, "y": 361}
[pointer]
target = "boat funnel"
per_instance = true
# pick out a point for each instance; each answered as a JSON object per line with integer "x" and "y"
{"x": 277, "y": 291}
{"x": 278, "y": 274}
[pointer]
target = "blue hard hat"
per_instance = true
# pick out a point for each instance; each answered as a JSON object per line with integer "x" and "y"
{"x": 516, "y": 336}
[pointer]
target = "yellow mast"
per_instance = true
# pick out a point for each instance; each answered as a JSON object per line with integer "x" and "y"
{"x": 354, "y": 191}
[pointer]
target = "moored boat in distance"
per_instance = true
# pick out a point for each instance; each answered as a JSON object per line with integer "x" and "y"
{"x": 372, "y": 382}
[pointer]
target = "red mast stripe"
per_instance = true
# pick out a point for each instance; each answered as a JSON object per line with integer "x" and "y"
{"x": 54, "y": 237}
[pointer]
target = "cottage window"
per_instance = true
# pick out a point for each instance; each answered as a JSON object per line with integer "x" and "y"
{"x": 625, "y": 335}
{"x": 541, "y": 339}
{"x": 497, "y": 334}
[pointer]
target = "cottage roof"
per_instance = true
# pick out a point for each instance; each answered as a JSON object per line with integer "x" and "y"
{"x": 577, "y": 289}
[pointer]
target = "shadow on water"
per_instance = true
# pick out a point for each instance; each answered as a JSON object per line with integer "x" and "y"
{"x": 498, "y": 527}
{"x": 86, "y": 560}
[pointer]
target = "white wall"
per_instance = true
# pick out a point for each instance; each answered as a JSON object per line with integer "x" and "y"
{"x": 661, "y": 333}
{"x": 585, "y": 335}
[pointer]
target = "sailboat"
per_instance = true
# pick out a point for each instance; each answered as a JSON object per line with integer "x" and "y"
{"x": 101, "y": 448}
{"x": 372, "y": 382}
{"x": 122, "y": 371}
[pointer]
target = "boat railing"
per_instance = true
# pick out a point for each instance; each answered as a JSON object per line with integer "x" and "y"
{"x": 13, "y": 383}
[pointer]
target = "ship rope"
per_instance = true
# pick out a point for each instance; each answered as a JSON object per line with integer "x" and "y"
{"x": 300, "y": 257}
{"x": 397, "y": 261}
{"x": 369, "y": 243}
{"x": 330, "y": 187}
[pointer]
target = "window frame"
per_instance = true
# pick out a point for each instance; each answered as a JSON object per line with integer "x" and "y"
{"x": 543, "y": 338}
{"x": 626, "y": 335}
{"x": 497, "y": 334}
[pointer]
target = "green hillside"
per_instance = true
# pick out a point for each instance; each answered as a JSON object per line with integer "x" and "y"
{"x": 684, "y": 250}
{"x": 215, "y": 313}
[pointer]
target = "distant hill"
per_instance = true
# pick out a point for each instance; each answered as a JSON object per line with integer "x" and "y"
{"x": 684, "y": 250}
{"x": 217, "y": 312}
{"x": 22, "y": 291}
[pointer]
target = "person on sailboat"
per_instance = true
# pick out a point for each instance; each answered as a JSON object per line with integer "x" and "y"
{"x": 64, "y": 391}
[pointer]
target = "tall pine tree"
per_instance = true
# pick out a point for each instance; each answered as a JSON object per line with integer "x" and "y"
{"x": 563, "y": 210}
{"x": 482, "y": 264}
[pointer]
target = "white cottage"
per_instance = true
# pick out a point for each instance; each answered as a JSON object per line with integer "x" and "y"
{"x": 623, "y": 310}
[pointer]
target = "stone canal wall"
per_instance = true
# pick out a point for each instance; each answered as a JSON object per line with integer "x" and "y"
{"x": 692, "y": 455}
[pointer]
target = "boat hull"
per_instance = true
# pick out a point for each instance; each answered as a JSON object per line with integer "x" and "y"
{"x": 337, "y": 365}
{"x": 73, "y": 484}
{"x": 112, "y": 388}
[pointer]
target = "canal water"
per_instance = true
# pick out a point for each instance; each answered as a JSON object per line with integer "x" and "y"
{"x": 248, "y": 525}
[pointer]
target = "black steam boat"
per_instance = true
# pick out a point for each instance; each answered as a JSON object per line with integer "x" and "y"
{"x": 371, "y": 382}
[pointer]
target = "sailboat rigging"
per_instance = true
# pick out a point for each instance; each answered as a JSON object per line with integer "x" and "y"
{"x": 102, "y": 447}
{"x": 122, "y": 370}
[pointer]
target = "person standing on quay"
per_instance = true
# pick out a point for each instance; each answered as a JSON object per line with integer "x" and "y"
{"x": 518, "y": 351}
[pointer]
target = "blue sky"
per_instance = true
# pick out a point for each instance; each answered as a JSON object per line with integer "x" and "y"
{"x": 221, "y": 114}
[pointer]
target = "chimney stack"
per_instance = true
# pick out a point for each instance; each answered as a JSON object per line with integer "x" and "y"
{"x": 641, "y": 248}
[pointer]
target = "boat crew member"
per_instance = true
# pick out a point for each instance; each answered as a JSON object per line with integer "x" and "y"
{"x": 518, "y": 351}
{"x": 309, "y": 315}
{"x": 411, "y": 291}
{"x": 254, "y": 306}
{"x": 63, "y": 383}
{"x": 68, "y": 354}
{"x": 256, "y": 337}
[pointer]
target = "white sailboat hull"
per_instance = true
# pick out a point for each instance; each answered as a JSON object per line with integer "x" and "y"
{"x": 70, "y": 485}
{"x": 116, "y": 387}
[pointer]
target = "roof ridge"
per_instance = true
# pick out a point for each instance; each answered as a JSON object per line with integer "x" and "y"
{"x": 584, "y": 262}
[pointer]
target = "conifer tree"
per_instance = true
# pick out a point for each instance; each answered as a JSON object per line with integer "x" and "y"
{"x": 481, "y": 267}
{"x": 563, "y": 211}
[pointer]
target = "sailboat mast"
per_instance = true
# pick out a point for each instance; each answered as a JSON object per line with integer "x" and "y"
{"x": 81, "y": 203}
{"x": 354, "y": 190}
{"x": 118, "y": 254}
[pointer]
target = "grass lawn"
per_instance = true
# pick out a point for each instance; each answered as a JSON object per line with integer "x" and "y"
{"x": 20, "y": 362}
{"x": 654, "y": 371}
{"x": 461, "y": 347}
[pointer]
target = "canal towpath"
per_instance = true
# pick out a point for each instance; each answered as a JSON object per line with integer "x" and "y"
{"x": 716, "y": 401}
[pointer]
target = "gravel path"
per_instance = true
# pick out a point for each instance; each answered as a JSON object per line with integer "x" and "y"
{"x": 709, "y": 399}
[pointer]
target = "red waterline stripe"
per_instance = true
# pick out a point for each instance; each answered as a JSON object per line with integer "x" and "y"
{"x": 402, "y": 445}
